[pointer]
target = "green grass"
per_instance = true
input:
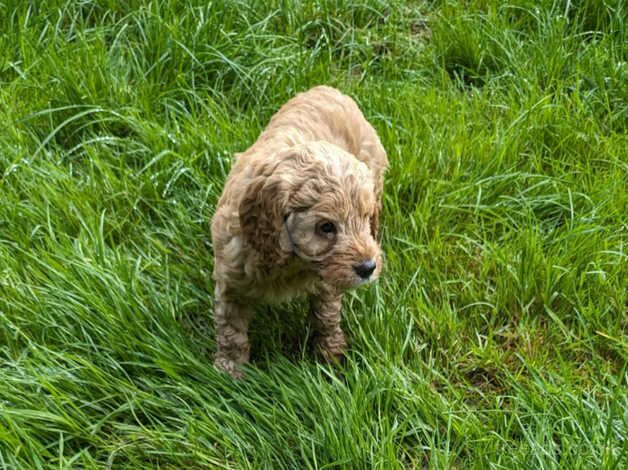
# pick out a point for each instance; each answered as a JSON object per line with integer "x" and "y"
{"x": 498, "y": 334}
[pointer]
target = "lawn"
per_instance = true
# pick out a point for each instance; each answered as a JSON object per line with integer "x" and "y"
{"x": 497, "y": 335}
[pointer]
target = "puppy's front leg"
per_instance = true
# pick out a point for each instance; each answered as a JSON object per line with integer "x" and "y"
{"x": 232, "y": 323}
{"x": 329, "y": 340}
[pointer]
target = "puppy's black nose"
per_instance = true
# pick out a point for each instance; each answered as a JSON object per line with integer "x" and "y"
{"x": 365, "y": 269}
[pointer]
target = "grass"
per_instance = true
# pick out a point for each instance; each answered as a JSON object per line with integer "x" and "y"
{"x": 497, "y": 336}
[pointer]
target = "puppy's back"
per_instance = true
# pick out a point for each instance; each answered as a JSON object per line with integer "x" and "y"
{"x": 323, "y": 113}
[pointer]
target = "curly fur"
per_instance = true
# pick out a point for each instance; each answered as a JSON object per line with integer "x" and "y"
{"x": 317, "y": 161}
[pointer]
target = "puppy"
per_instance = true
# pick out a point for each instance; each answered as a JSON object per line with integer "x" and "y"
{"x": 299, "y": 214}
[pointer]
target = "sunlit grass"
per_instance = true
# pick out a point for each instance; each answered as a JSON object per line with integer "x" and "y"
{"x": 497, "y": 333}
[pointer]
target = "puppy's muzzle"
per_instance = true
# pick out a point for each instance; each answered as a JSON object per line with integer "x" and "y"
{"x": 365, "y": 269}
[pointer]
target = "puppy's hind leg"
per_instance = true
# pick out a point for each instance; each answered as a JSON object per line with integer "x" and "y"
{"x": 232, "y": 323}
{"x": 329, "y": 340}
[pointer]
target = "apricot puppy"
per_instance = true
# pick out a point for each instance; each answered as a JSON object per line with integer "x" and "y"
{"x": 299, "y": 215}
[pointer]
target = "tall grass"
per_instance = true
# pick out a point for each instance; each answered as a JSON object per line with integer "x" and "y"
{"x": 497, "y": 334}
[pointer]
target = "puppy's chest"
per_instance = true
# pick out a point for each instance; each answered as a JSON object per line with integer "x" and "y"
{"x": 283, "y": 284}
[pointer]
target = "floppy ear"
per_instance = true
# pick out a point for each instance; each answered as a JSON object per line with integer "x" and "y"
{"x": 261, "y": 214}
{"x": 379, "y": 189}
{"x": 375, "y": 220}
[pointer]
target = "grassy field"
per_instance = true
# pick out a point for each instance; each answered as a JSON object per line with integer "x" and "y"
{"x": 498, "y": 333}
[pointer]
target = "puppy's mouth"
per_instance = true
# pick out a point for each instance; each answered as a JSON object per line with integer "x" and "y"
{"x": 360, "y": 282}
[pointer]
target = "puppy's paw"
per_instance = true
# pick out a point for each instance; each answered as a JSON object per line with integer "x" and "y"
{"x": 330, "y": 357}
{"x": 330, "y": 349}
{"x": 228, "y": 366}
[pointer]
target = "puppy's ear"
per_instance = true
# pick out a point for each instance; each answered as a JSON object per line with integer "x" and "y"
{"x": 375, "y": 220}
{"x": 379, "y": 187}
{"x": 261, "y": 214}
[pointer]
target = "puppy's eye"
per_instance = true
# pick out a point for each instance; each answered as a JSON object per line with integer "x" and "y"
{"x": 326, "y": 229}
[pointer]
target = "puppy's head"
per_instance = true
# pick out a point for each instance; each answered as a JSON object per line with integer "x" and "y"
{"x": 317, "y": 202}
